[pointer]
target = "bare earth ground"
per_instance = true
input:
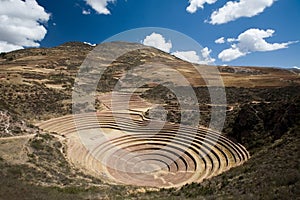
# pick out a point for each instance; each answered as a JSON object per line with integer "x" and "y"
{"x": 165, "y": 170}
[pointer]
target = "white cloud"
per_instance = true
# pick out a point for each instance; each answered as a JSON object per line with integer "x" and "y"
{"x": 206, "y": 59}
{"x": 231, "y": 39}
{"x": 88, "y": 43}
{"x": 295, "y": 67}
{"x": 100, "y": 6}
{"x": 190, "y": 56}
{"x": 233, "y": 10}
{"x": 196, "y": 4}
{"x": 249, "y": 41}
{"x": 6, "y": 47}
{"x": 193, "y": 57}
{"x": 220, "y": 40}
{"x": 158, "y": 41}
{"x": 20, "y": 24}
{"x": 231, "y": 54}
{"x": 86, "y": 12}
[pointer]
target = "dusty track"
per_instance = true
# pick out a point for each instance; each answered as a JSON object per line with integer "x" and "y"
{"x": 17, "y": 137}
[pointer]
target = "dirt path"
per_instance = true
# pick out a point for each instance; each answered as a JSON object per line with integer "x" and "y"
{"x": 17, "y": 137}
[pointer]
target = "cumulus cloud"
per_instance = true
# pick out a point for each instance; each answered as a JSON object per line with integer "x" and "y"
{"x": 158, "y": 41}
{"x": 6, "y": 47}
{"x": 196, "y": 4}
{"x": 251, "y": 40}
{"x": 231, "y": 54}
{"x": 20, "y": 24}
{"x": 233, "y": 10}
{"x": 100, "y": 6}
{"x": 190, "y": 56}
{"x": 220, "y": 40}
{"x": 206, "y": 59}
{"x": 193, "y": 57}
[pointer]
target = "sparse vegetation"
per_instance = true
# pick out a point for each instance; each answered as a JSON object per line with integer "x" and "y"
{"x": 262, "y": 114}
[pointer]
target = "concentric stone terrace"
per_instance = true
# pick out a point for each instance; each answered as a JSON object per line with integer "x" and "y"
{"x": 130, "y": 149}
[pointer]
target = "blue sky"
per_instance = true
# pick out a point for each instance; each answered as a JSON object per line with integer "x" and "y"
{"x": 268, "y": 22}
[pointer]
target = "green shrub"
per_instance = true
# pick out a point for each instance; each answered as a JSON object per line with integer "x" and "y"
{"x": 37, "y": 144}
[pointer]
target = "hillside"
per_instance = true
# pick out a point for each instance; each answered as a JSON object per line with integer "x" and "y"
{"x": 42, "y": 157}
